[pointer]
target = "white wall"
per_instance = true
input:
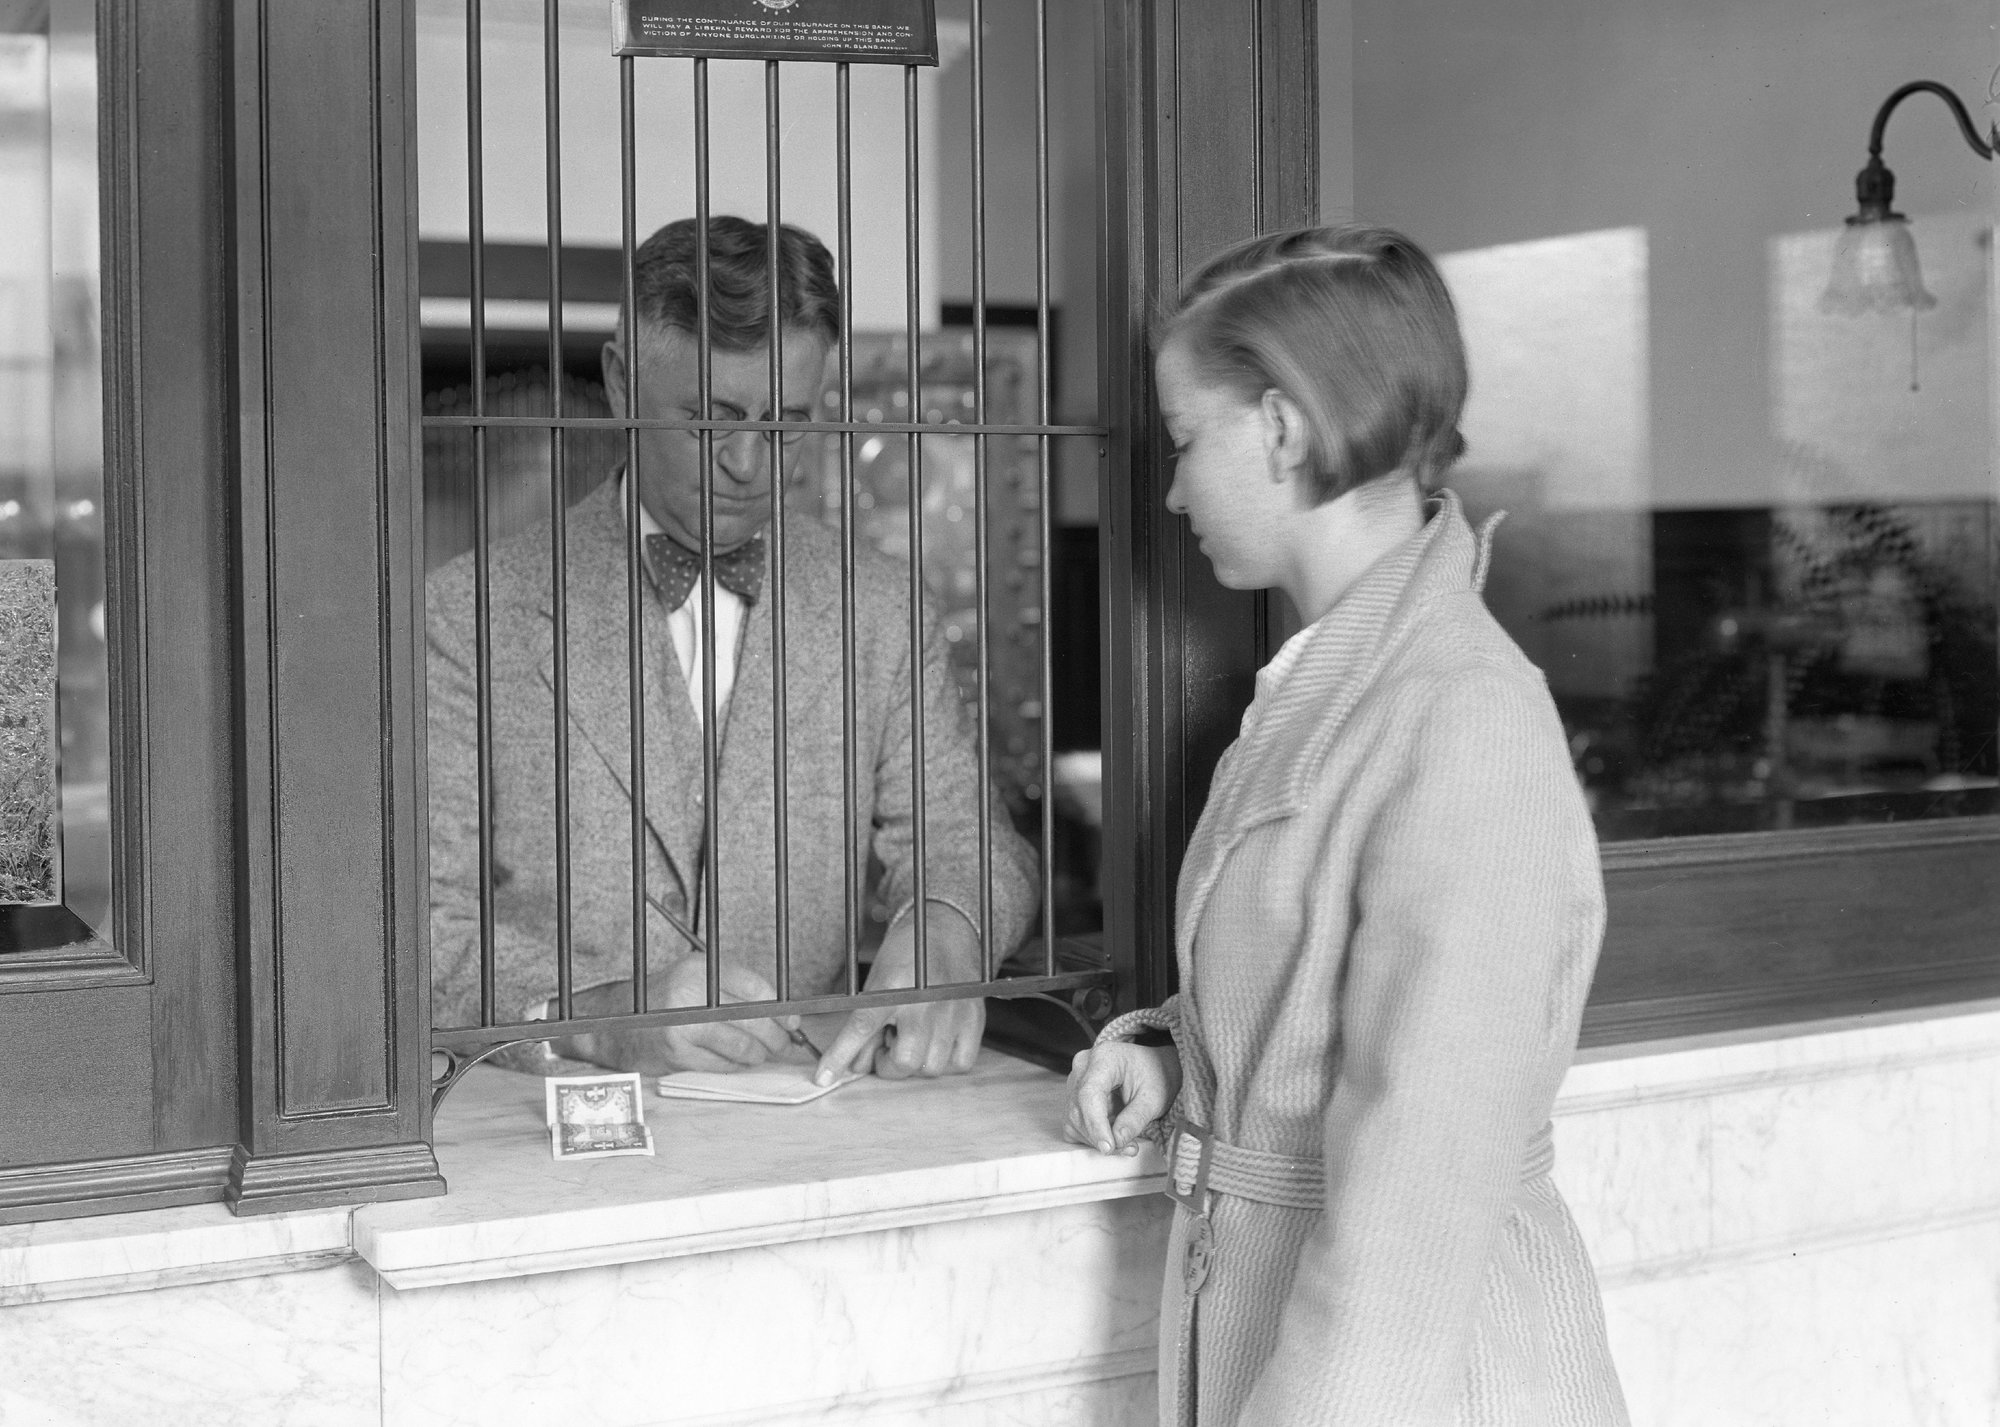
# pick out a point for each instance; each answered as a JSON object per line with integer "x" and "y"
{"x": 1728, "y": 133}
{"x": 515, "y": 196}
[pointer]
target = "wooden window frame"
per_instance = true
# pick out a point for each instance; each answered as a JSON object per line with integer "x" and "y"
{"x": 1705, "y": 934}
{"x": 257, "y": 1031}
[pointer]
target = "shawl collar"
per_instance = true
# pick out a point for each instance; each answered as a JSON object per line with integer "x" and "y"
{"x": 1301, "y": 704}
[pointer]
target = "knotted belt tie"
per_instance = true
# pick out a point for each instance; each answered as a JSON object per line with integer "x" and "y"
{"x": 1199, "y": 1164}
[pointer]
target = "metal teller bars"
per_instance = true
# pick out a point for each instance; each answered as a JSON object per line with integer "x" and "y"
{"x": 462, "y": 1046}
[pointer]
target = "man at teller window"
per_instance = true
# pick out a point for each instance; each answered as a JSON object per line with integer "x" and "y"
{"x": 925, "y": 1039}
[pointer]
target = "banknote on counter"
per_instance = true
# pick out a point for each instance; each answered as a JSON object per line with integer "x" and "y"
{"x": 597, "y": 1116}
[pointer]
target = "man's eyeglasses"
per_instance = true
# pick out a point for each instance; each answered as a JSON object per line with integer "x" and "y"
{"x": 725, "y": 411}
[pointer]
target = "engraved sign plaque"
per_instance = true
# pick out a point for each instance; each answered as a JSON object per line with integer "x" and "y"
{"x": 855, "y": 31}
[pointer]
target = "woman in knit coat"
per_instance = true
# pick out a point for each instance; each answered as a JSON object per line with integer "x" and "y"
{"x": 1389, "y": 912}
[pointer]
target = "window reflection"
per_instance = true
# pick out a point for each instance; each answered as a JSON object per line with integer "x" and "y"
{"x": 55, "y": 875}
{"x": 1816, "y": 649}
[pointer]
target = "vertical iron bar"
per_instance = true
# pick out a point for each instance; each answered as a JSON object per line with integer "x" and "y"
{"x": 843, "y": 183}
{"x": 989, "y": 960}
{"x": 1043, "y": 515}
{"x": 781, "y": 816}
{"x": 558, "y": 498}
{"x": 1257, "y": 192}
{"x": 711, "y": 882}
{"x": 482, "y": 568}
{"x": 635, "y": 594}
{"x": 912, "y": 297}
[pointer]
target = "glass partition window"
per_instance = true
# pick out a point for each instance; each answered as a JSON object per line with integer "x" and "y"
{"x": 1751, "y": 542}
{"x": 55, "y": 863}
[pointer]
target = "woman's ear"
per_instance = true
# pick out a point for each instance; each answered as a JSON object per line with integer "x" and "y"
{"x": 1287, "y": 437}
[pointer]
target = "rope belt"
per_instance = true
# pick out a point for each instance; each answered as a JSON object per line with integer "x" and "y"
{"x": 1199, "y": 1164}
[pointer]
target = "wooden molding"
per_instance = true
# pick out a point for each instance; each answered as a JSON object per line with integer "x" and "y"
{"x": 69, "y": 968}
{"x": 249, "y": 1185}
{"x": 113, "y": 1186}
{"x": 1786, "y": 1001}
{"x": 270, "y": 1184}
{"x": 1734, "y": 848}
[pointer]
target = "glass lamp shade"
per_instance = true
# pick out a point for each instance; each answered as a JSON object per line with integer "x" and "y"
{"x": 1875, "y": 270}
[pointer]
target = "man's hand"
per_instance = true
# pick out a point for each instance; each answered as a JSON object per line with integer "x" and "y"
{"x": 1116, "y": 1090}
{"x": 660, "y": 1050}
{"x": 929, "y": 1038}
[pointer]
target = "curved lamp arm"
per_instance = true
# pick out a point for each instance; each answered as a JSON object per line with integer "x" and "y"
{"x": 1875, "y": 186}
{"x": 1983, "y": 147}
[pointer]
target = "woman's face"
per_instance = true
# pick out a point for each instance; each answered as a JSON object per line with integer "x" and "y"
{"x": 1240, "y": 504}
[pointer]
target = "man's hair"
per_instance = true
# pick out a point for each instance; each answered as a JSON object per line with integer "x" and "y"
{"x": 739, "y": 282}
{"x": 1355, "y": 325}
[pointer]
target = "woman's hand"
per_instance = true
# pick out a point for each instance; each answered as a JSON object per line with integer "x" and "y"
{"x": 1116, "y": 1090}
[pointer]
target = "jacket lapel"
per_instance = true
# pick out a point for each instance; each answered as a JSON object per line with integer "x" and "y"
{"x": 600, "y": 685}
{"x": 1300, "y": 709}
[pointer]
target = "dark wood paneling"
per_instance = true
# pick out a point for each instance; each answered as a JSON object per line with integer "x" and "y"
{"x": 331, "y": 982}
{"x": 1134, "y": 925}
{"x": 1210, "y": 133}
{"x": 323, "y": 566}
{"x": 1717, "y": 933}
{"x": 1219, "y": 88}
{"x": 168, "y": 439}
{"x": 1289, "y": 141}
{"x": 79, "y": 1067}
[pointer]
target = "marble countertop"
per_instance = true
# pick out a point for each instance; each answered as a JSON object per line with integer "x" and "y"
{"x": 875, "y": 1154}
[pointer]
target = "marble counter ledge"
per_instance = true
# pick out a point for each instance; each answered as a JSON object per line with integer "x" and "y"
{"x": 1607, "y": 1077}
{"x": 874, "y": 1155}
{"x": 162, "y": 1248}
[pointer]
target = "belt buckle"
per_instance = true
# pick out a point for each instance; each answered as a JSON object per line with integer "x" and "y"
{"x": 1194, "y": 1199}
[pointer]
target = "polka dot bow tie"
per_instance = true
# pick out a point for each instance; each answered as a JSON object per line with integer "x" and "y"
{"x": 677, "y": 569}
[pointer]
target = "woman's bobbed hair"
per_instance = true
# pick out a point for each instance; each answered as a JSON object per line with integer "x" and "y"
{"x": 1355, "y": 326}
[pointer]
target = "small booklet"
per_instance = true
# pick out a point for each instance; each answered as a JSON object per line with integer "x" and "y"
{"x": 596, "y": 1116}
{"x": 770, "y": 1085}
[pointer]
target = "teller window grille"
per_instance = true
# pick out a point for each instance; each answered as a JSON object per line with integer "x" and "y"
{"x": 957, "y": 439}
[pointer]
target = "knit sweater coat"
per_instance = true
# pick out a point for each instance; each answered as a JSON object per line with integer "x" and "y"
{"x": 1387, "y": 922}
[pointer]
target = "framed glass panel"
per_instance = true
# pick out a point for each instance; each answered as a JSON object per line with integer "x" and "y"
{"x": 55, "y": 843}
{"x": 1750, "y": 539}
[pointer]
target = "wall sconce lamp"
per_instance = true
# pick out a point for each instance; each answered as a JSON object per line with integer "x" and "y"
{"x": 1875, "y": 261}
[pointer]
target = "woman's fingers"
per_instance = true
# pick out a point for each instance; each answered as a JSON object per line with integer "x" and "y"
{"x": 1145, "y": 1102}
{"x": 1094, "y": 1088}
{"x": 1115, "y": 1092}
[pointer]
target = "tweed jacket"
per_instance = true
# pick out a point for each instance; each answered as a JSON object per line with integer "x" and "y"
{"x": 600, "y": 762}
{"x": 1387, "y": 922}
